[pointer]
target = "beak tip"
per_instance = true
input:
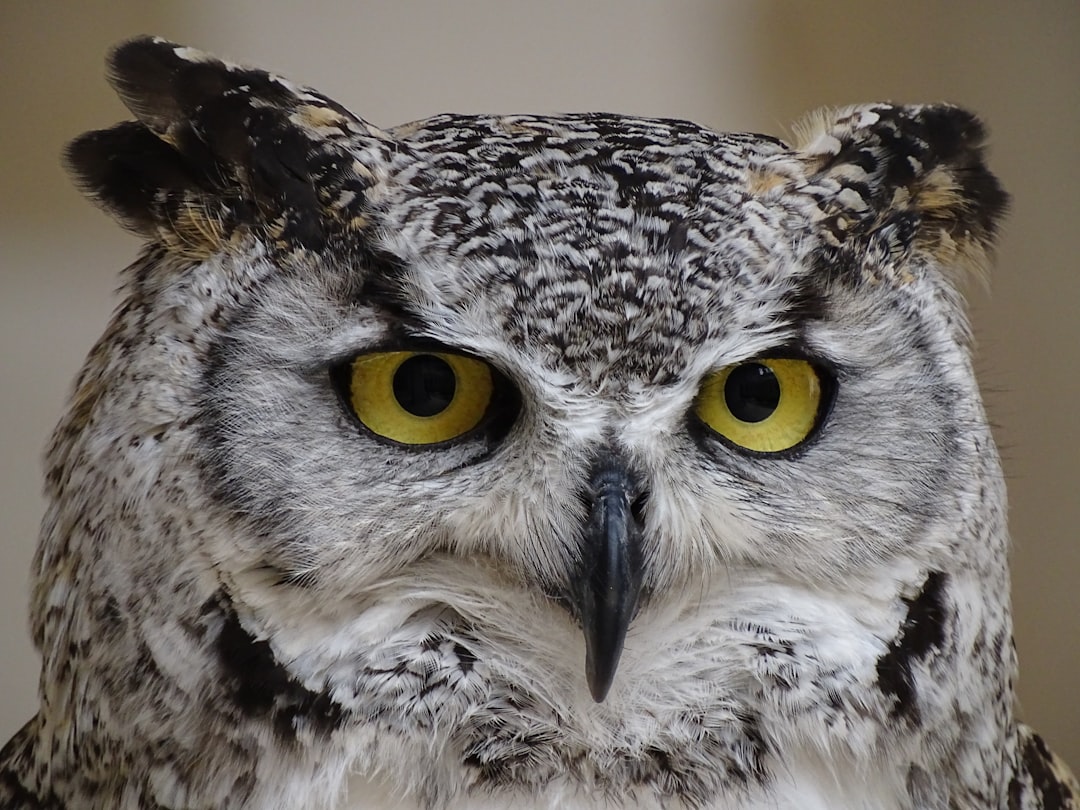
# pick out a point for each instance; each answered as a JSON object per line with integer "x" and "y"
{"x": 599, "y": 684}
{"x": 602, "y": 654}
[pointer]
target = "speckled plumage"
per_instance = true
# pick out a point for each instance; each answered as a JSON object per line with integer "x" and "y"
{"x": 243, "y": 600}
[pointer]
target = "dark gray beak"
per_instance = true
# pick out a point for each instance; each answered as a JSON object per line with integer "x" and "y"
{"x": 609, "y": 581}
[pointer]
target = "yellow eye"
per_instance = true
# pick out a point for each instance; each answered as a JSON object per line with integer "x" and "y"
{"x": 763, "y": 405}
{"x": 419, "y": 397}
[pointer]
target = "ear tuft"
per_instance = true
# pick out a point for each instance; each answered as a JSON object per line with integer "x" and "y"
{"x": 874, "y": 165}
{"x": 218, "y": 148}
{"x": 126, "y": 168}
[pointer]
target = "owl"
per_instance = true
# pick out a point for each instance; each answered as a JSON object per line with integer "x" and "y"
{"x": 580, "y": 461}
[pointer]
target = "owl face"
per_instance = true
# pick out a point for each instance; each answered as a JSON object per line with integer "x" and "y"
{"x": 639, "y": 434}
{"x": 601, "y": 314}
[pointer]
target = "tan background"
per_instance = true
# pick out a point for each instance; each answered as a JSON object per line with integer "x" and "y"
{"x": 732, "y": 65}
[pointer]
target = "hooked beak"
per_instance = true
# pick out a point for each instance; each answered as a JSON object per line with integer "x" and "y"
{"x": 609, "y": 581}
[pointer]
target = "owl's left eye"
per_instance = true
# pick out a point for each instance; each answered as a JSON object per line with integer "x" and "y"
{"x": 766, "y": 406}
{"x": 416, "y": 397}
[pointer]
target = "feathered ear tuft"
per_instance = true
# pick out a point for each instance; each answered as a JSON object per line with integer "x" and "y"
{"x": 904, "y": 179}
{"x": 219, "y": 148}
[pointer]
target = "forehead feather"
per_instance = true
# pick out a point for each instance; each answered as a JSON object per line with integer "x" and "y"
{"x": 603, "y": 242}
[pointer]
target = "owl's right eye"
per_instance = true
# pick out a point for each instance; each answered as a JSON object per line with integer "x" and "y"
{"x": 418, "y": 397}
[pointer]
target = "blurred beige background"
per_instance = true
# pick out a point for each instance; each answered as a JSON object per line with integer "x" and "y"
{"x": 732, "y": 65}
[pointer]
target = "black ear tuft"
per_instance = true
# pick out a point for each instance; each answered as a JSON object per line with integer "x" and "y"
{"x": 219, "y": 147}
{"x": 145, "y": 74}
{"x": 128, "y": 169}
{"x": 166, "y": 85}
{"x": 876, "y": 165}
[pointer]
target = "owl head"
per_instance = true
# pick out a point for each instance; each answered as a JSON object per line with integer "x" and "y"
{"x": 620, "y": 423}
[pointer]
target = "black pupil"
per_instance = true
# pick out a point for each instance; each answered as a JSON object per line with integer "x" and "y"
{"x": 424, "y": 385}
{"x": 752, "y": 392}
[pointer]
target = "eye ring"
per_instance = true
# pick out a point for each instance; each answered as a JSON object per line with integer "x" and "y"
{"x": 418, "y": 397}
{"x": 765, "y": 406}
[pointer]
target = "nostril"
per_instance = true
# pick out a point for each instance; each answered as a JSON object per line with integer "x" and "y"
{"x": 638, "y": 505}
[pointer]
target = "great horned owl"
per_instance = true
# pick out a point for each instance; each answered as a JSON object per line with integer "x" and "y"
{"x": 577, "y": 461}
